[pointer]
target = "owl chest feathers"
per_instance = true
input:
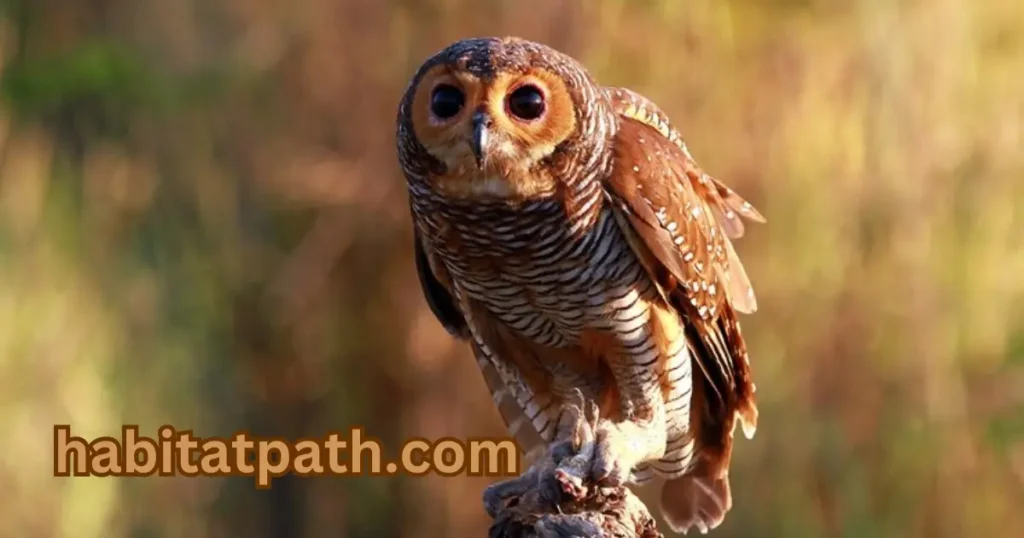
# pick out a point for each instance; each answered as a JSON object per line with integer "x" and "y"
{"x": 548, "y": 269}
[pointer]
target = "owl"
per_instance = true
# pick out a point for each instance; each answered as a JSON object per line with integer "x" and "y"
{"x": 564, "y": 232}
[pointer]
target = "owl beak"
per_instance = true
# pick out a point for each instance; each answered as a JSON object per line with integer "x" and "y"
{"x": 481, "y": 125}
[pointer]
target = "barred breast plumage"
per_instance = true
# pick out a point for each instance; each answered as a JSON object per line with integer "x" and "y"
{"x": 557, "y": 274}
{"x": 564, "y": 231}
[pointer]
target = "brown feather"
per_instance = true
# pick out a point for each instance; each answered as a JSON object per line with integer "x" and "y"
{"x": 726, "y": 204}
{"x": 651, "y": 185}
{"x": 706, "y": 212}
{"x": 511, "y": 413}
{"x": 437, "y": 288}
{"x": 437, "y": 285}
{"x": 602, "y": 348}
{"x": 530, "y": 363}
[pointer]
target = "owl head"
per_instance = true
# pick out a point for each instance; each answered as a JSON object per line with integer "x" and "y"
{"x": 498, "y": 117}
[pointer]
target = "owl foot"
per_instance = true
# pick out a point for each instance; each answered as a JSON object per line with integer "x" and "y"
{"x": 562, "y": 466}
{"x": 602, "y": 460}
{"x": 587, "y": 452}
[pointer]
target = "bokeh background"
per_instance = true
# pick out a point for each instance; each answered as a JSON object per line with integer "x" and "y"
{"x": 202, "y": 223}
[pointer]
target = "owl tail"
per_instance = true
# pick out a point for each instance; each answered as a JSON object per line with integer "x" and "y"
{"x": 701, "y": 498}
{"x": 695, "y": 501}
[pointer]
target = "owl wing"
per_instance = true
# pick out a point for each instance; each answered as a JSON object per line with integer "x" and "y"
{"x": 509, "y": 389}
{"x": 679, "y": 221}
{"x": 726, "y": 205}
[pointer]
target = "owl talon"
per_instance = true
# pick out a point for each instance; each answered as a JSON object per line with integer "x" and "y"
{"x": 575, "y": 427}
{"x": 572, "y": 451}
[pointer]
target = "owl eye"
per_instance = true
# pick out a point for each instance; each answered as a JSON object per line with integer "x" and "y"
{"x": 446, "y": 101}
{"x": 526, "y": 102}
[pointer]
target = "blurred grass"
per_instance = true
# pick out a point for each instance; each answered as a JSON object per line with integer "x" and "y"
{"x": 202, "y": 223}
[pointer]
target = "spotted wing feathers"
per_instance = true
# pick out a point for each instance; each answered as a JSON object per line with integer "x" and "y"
{"x": 727, "y": 206}
{"x": 687, "y": 217}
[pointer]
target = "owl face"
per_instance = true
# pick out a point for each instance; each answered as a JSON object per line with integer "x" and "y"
{"x": 491, "y": 111}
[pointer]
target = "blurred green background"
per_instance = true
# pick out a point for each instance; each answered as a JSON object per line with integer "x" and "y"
{"x": 202, "y": 223}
